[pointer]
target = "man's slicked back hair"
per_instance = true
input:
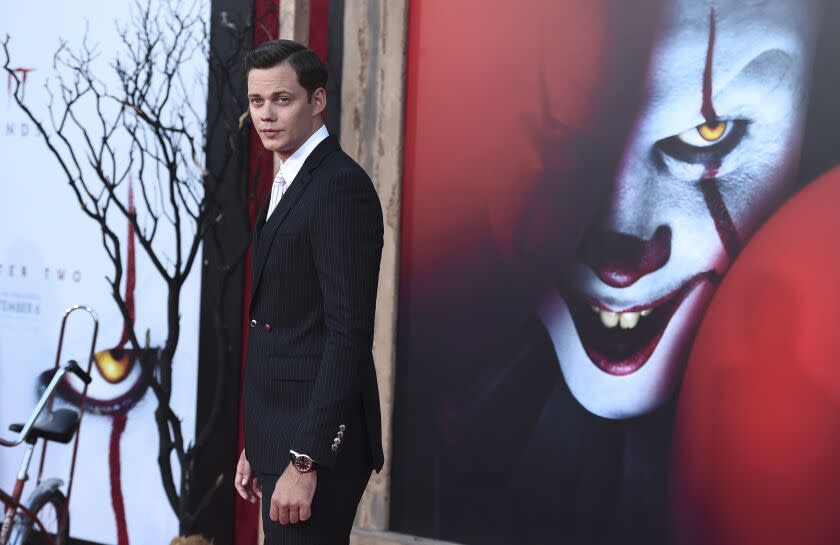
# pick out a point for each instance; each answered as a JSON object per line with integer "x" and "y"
{"x": 310, "y": 70}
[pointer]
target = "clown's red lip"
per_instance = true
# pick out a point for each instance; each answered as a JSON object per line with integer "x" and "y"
{"x": 619, "y": 351}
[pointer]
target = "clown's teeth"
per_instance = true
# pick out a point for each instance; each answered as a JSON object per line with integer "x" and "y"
{"x": 628, "y": 320}
{"x": 609, "y": 319}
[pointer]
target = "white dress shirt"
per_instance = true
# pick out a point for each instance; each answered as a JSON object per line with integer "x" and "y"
{"x": 290, "y": 167}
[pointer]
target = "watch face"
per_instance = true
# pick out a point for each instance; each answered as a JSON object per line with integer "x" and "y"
{"x": 303, "y": 463}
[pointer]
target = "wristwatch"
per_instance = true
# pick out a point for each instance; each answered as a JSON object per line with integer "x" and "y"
{"x": 302, "y": 462}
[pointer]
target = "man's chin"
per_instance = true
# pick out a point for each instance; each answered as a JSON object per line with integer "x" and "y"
{"x": 273, "y": 146}
{"x": 649, "y": 384}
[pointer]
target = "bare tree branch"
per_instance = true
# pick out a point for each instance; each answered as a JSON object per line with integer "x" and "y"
{"x": 148, "y": 128}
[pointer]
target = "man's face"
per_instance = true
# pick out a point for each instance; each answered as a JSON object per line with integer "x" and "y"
{"x": 713, "y": 152}
{"x": 280, "y": 109}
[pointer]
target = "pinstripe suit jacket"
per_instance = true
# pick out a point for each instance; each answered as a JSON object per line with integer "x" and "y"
{"x": 309, "y": 370}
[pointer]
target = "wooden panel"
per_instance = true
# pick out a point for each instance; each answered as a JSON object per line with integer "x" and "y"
{"x": 373, "y": 91}
{"x": 294, "y": 20}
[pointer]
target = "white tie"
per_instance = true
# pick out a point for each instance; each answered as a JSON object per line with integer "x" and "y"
{"x": 277, "y": 190}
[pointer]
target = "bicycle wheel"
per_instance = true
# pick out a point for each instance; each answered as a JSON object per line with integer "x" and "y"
{"x": 48, "y": 508}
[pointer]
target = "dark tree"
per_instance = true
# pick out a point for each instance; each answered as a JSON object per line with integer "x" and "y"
{"x": 148, "y": 130}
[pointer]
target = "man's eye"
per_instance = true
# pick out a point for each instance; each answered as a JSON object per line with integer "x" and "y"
{"x": 282, "y": 100}
{"x": 710, "y": 141}
{"x": 256, "y": 101}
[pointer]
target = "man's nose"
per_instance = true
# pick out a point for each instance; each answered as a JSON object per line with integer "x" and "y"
{"x": 267, "y": 113}
{"x": 621, "y": 259}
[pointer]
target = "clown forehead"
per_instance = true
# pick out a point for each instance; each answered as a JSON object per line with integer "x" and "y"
{"x": 759, "y": 53}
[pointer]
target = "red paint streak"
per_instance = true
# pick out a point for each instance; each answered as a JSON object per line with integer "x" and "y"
{"x": 119, "y": 421}
{"x": 708, "y": 182}
{"x": 711, "y": 171}
{"x": 130, "y": 275}
{"x": 708, "y": 109}
{"x": 717, "y": 208}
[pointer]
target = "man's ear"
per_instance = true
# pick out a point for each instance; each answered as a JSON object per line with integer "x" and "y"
{"x": 319, "y": 101}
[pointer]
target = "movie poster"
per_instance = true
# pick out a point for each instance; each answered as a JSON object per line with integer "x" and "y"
{"x": 52, "y": 257}
{"x": 580, "y": 176}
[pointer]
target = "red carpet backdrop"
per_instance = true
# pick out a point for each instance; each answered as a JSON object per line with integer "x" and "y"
{"x": 52, "y": 256}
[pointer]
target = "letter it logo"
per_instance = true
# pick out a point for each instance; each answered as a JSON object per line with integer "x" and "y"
{"x": 10, "y": 79}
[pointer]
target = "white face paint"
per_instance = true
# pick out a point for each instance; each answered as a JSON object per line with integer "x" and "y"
{"x": 624, "y": 319}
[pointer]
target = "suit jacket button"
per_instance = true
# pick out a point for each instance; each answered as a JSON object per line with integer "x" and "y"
{"x": 253, "y": 323}
{"x": 337, "y": 441}
{"x": 342, "y": 428}
{"x": 340, "y": 435}
{"x": 334, "y": 448}
{"x": 267, "y": 328}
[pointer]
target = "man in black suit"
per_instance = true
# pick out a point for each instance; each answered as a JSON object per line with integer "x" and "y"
{"x": 312, "y": 417}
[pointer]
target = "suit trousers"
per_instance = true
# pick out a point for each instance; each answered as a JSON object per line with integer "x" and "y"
{"x": 333, "y": 510}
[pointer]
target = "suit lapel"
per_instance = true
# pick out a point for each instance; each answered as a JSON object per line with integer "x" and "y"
{"x": 266, "y": 236}
{"x": 261, "y": 216}
{"x": 267, "y": 231}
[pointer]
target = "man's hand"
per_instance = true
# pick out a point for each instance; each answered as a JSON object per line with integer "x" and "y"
{"x": 291, "y": 501}
{"x": 245, "y": 481}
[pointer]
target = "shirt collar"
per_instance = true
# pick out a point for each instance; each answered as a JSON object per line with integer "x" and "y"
{"x": 291, "y": 166}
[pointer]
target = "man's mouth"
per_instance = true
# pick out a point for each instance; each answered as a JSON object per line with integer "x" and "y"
{"x": 620, "y": 342}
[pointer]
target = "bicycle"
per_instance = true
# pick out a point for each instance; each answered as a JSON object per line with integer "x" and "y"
{"x": 44, "y": 518}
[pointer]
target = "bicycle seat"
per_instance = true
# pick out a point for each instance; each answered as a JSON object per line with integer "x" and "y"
{"x": 58, "y": 426}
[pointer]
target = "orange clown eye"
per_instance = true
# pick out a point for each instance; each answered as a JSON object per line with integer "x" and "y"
{"x": 712, "y": 131}
{"x": 114, "y": 365}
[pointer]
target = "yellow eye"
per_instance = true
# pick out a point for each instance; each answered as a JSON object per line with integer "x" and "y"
{"x": 712, "y": 131}
{"x": 114, "y": 365}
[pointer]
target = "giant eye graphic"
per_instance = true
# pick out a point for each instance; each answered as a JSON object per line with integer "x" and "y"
{"x": 124, "y": 385}
{"x": 708, "y": 142}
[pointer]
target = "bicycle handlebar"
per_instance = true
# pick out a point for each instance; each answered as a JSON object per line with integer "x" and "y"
{"x": 72, "y": 367}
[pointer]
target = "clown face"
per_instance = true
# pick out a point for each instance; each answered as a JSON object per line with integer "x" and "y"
{"x": 713, "y": 152}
